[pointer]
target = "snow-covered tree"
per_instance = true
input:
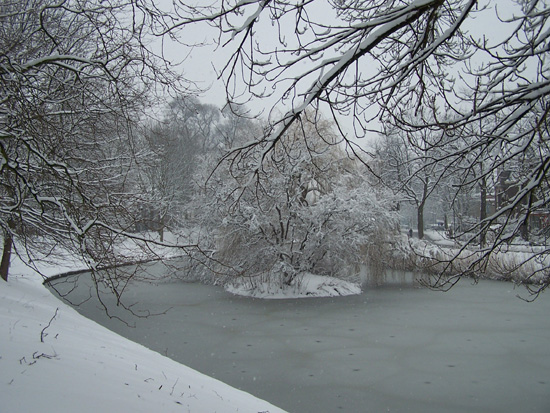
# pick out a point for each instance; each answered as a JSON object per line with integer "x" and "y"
{"x": 74, "y": 78}
{"x": 188, "y": 129}
{"x": 404, "y": 164}
{"x": 307, "y": 209}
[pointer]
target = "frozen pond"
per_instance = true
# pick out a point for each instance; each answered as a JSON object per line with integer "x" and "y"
{"x": 395, "y": 348}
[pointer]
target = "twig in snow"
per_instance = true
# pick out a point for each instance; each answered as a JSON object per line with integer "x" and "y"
{"x": 172, "y": 391}
{"x": 42, "y": 333}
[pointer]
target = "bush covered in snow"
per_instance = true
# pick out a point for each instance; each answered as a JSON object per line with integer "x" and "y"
{"x": 305, "y": 208}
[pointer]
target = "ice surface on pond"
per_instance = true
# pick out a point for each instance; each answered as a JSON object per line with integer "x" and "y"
{"x": 477, "y": 348}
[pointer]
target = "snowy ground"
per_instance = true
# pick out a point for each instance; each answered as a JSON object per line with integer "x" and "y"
{"x": 54, "y": 360}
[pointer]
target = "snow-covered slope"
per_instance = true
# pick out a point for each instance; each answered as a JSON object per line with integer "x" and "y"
{"x": 54, "y": 360}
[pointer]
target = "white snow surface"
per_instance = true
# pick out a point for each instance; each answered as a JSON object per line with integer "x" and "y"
{"x": 303, "y": 286}
{"x": 52, "y": 359}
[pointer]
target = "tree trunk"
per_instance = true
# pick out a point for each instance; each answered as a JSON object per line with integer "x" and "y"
{"x": 524, "y": 228}
{"x": 6, "y": 255}
{"x": 420, "y": 220}
{"x": 420, "y": 210}
{"x": 161, "y": 227}
{"x": 483, "y": 213}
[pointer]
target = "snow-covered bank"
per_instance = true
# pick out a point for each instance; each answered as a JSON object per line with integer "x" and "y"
{"x": 521, "y": 264}
{"x": 54, "y": 359}
{"x": 303, "y": 286}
